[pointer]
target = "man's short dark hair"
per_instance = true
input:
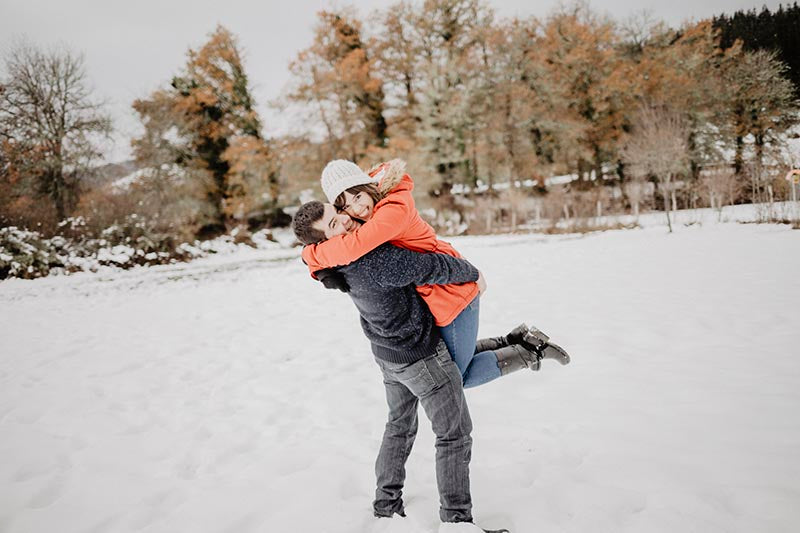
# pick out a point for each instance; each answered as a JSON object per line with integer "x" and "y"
{"x": 303, "y": 223}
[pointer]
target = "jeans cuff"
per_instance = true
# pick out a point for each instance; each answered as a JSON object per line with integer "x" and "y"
{"x": 387, "y": 509}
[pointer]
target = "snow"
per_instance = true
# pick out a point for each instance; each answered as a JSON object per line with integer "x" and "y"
{"x": 235, "y": 394}
{"x": 745, "y": 213}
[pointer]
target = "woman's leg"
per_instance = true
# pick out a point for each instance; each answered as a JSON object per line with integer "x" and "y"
{"x": 460, "y": 337}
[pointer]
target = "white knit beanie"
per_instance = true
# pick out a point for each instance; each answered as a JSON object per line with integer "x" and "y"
{"x": 339, "y": 175}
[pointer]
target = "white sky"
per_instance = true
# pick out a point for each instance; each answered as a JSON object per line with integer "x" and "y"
{"x": 133, "y": 47}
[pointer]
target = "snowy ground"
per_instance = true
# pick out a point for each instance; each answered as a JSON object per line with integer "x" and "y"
{"x": 234, "y": 394}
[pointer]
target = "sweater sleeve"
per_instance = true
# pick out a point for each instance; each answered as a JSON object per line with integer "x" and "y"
{"x": 388, "y": 221}
{"x": 400, "y": 267}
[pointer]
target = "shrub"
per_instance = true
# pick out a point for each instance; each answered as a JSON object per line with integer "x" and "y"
{"x": 25, "y": 254}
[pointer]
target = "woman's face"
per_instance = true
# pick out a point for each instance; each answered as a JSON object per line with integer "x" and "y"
{"x": 359, "y": 205}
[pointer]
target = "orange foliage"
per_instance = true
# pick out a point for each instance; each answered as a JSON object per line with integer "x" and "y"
{"x": 218, "y": 130}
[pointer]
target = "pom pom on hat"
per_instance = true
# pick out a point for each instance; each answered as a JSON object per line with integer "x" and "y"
{"x": 339, "y": 175}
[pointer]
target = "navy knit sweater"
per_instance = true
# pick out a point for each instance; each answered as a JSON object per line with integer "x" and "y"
{"x": 394, "y": 317}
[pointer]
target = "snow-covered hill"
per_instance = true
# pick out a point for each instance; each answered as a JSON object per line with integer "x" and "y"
{"x": 235, "y": 394}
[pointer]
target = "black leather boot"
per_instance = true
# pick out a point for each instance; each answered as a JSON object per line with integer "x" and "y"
{"x": 537, "y": 341}
{"x": 516, "y": 357}
{"x": 493, "y": 343}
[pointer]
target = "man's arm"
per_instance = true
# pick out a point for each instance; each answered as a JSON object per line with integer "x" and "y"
{"x": 385, "y": 225}
{"x": 398, "y": 267}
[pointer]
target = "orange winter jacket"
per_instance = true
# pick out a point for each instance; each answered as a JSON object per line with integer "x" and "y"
{"x": 395, "y": 219}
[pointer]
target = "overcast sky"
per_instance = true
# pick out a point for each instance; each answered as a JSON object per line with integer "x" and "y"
{"x": 132, "y": 47}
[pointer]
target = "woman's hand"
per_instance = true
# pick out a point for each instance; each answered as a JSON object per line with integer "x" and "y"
{"x": 481, "y": 283}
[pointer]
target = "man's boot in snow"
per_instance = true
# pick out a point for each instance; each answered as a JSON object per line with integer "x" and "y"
{"x": 493, "y": 343}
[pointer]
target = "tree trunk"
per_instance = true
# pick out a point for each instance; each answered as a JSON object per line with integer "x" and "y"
{"x": 59, "y": 195}
{"x": 694, "y": 166}
{"x": 759, "y": 148}
{"x": 58, "y": 182}
{"x": 666, "y": 201}
{"x": 474, "y": 158}
{"x": 738, "y": 158}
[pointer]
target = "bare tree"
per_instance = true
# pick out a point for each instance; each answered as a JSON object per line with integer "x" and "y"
{"x": 721, "y": 186}
{"x": 635, "y": 190}
{"x": 49, "y": 123}
{"x": 658, "y": 146}
{"x": 638, "y": 29}
{"x": 762, "y": 104}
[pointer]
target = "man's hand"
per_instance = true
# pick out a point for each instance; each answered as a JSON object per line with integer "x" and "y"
{"x": 481, "y": 283}
{"x": 332, "y": 279}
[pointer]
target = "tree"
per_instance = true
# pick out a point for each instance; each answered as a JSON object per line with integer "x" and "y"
{"x": 658, "y": 147}
{"x": 206, "y": 122}
{"x": 397, "y": 58}
{"x": 683, "y": 70}
{"x": 720, "y": 186}
{"x": 453, "y": 37}
{"x": 335, "y": 78}
{"x": 774, "y": 32}
{"x": 591, "y": 85}
{"x": 761, "y": 102}
{"x": 50, "y": 126}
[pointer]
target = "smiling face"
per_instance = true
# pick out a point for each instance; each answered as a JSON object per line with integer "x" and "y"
{"x": 359, "y": 201}
{"x": 358, "y": 205}
{"x": 334, "y": 223}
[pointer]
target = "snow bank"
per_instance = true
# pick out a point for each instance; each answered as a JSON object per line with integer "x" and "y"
{"x": 26, "y": 254}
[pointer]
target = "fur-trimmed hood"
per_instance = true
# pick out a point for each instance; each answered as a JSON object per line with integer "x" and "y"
{"x": 390, "y": 174}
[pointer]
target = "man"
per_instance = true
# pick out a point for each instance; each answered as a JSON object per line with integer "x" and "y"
{"x": 416, "y": 366}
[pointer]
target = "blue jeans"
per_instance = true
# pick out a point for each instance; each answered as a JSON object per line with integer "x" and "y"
{"x": 434, "y": 382}
{"x": 460, "y": 336}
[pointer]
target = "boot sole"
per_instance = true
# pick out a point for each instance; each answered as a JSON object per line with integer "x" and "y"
{"x": 562, "y": 356}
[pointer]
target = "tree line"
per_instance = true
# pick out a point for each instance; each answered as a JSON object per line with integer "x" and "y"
{"x": 472, "y": 101}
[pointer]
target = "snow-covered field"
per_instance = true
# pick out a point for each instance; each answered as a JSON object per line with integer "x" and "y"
{"x": 234, "y": 394}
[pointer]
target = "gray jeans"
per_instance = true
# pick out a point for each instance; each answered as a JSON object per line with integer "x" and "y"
{"x": 435, "y": 382}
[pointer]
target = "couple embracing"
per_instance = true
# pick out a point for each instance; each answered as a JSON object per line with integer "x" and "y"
{"x": 418, "y": 302}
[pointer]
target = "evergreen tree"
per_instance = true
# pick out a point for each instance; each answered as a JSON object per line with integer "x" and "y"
{"x": 778, "y": 32}
{"x": 453, "y": 36}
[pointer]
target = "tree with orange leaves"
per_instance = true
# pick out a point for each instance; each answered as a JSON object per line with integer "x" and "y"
{"x": 683, "y": 70}
{"x": 334, "y": 79}
{"x": 206, "y": 121}
{"x": 578, "y": 50}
